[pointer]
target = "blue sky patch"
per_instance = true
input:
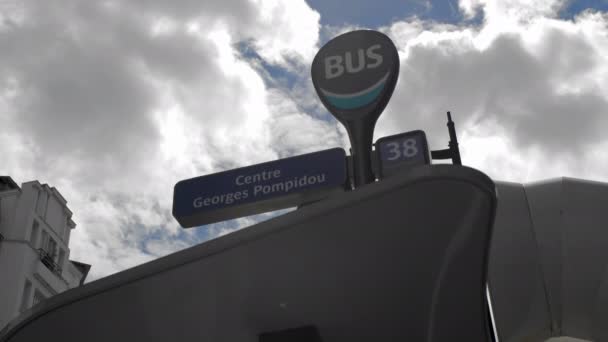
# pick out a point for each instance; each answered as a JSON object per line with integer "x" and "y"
{"x": 572, "y": 8}
{"x": 373, "y": 14}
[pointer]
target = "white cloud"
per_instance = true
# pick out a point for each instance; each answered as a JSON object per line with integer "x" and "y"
{"x": 527, "y": 89}
{"x": 295, "y": 31}
{"x": 114, "y": 102}
{"x": 296, "y": 132}
{"x": 502, "y": 11}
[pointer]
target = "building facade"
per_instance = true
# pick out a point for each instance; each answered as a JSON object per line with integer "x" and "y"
{"x": 35, "y": 227}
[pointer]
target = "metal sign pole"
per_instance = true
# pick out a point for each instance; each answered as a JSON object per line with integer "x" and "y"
{"x": 361, "y": 141}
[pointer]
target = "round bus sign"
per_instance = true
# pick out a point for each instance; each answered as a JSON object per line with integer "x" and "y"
{"x": 354, "y": 75}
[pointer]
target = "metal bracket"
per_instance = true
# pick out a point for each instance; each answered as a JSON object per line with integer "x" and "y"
{"x": 453, "y": 152}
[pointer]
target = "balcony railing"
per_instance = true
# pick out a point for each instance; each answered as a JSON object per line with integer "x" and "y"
{"x": 48, "y": 261}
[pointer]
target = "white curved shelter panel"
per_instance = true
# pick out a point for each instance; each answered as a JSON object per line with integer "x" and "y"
{"x": 582, "y": 232}
{"x": 545, "y": 203}
{"x": 515, "y": 277}
{"x": 560, "y": 225}
{"x": 400, "y": 260}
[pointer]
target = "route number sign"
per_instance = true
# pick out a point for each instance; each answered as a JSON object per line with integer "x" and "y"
{"x": 400, "y": 151}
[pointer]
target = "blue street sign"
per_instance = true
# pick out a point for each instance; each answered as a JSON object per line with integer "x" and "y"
{"x": 259, "y": 188}
{"x": 400, "y": 151}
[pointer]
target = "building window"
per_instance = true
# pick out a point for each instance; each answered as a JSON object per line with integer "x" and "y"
{"x": 46, "y": 206}
{"x": 38, "y": 297}
{"x": 44, "y": 240}
{"x": 37, "y": 205}
{"x": 42, "y": 204}
{"x": 25, "y": 298}
{"x": 51, "y": 248}
{"x": 48, "y": 253}
{"x": 34, "y": 234}
{"x": 60, "y": 258}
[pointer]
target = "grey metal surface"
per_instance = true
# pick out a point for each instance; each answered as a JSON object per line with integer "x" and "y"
{"x": 403, "y": 259}
{"x": 567, "y": 233}
{"x": 585, "y": 259}
{"x": 515, "y": 277}
{"x": 545, "y": 202}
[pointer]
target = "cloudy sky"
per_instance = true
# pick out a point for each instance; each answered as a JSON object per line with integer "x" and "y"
{"x": 113, "y": 102}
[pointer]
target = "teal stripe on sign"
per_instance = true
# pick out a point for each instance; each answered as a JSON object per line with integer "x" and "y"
{"x": 356, "y": 101}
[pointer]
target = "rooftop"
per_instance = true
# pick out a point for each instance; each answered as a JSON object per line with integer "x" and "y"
{"x": 7, "y": 183}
